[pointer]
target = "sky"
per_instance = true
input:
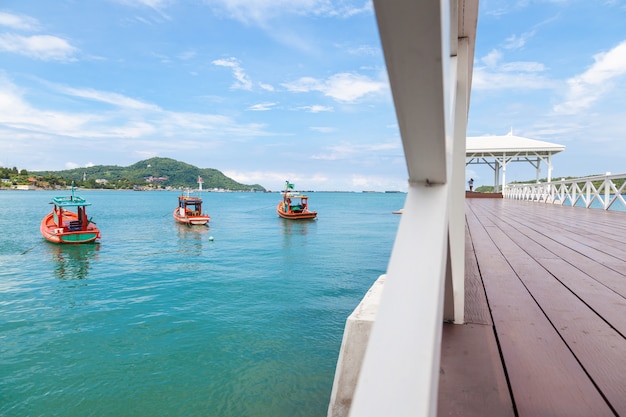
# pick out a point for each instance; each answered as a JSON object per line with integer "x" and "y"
{"x": 267, "y": 91}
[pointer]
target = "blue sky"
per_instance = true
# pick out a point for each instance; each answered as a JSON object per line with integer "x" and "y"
{"x": 266, "y": 91}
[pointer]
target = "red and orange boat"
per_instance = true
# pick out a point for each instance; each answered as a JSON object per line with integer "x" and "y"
{"x": 69, "y": 227}
{"x": 294, "y": 206}
{"x": 189, "y": 211}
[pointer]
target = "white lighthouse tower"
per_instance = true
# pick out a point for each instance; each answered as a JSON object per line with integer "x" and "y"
{"x": 200, "y": 182}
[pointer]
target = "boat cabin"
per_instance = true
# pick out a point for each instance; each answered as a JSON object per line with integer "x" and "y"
{"x": 62, "y": 204}
{"x": 296, "y": 204}
{"x": 190, "y": 206}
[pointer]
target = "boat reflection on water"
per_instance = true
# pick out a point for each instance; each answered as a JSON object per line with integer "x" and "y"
{"x": 190, "y": 238}
{"x": 185, "y": 230}
{"x": 72, "y": 261}
{"x": 296, "y": 228}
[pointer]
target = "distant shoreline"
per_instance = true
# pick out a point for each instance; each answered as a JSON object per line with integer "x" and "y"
{"x": 192, "y": 191}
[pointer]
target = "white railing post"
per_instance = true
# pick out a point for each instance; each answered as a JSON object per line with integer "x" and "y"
{"x": 607, "y": 190}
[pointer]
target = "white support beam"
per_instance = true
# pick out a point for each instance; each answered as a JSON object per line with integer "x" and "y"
{"x": 457, "y": 190}
{"x": 416, "y": 55}
{"x": 430, "y": 75}
{"x": 400, "y": 372}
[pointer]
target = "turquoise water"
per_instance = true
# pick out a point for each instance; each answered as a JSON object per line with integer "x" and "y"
{"x": 243, "y": 318}
{"x": 595, "y": 204}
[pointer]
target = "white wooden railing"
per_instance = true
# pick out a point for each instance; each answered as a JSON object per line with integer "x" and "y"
{"x": 601, "y": 191}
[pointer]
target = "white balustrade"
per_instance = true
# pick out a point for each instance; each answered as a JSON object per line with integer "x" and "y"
{"x": 607, "y": 191}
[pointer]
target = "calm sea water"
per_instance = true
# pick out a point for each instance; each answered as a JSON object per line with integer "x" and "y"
{"x": 243, "y": 318}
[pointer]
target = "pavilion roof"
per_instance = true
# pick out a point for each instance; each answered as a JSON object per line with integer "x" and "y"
{"x": 508, "y": 145}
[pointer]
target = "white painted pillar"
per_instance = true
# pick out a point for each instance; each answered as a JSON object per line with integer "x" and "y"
{"x": 538, "y": 169}
{"x": 504, "y": 162}
{"x": 496, "y": 175}
{"x": 549, "y": 167}
{"x": 454, "y": 305}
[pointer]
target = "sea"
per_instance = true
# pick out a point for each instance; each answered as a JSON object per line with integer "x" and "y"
{"x": 243, "y": 318}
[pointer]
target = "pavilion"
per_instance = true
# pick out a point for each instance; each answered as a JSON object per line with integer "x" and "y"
{"x": 499, "y": 151}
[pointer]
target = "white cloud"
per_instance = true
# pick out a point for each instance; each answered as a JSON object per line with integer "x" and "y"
{"x": 493, "y": 61}
{"x": 18, "y": 22}
{"x": 518, "y": 42}
{"x": 157, "y": 5}
{"x": 266, "y": 87}
{"x": 187, "y": 55}
{"x": 342, "y": 87}
{"x": 316, "y": 108}
{"x": 351, "y": 151}
{"x": 262, "y": 11}
{"x": 249, "y": 177}
{"x": 523, "y": 66}
{"x": 262, "y": 106}
{"x": 117, "y": 100}
{"x": 492, "y": 58}
{"x": 586, "y": 88}
{"x": 496, "y": 75}
{"x": 273, "y": 180}
{"x": 242, "y": 81}
{"x": 323, "y": 129}
{"x": 486, "y": 80}
{"x": 377, "y": 182}
{"x": 128, "y": 118}
{"x": 74, "y": 165}
{"x": 43, "y": 47}
{"x": 363, "y": 50}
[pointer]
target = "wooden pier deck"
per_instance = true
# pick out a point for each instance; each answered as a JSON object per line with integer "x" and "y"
{"x": 545, "y": 314}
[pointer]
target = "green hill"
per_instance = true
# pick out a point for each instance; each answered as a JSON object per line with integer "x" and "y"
{"x": 150, "y": 173}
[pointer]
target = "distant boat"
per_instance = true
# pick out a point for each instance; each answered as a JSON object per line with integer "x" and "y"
{"x": 294, "y": 206}
{"x": 189, "y": 211}
{"x": 69, "y": 227}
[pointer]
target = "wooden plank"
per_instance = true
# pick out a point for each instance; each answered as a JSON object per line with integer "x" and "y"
{"x": 598, "y": 347}
{"x": 608, "y": 223}
{"x": 583, "y": 261}
{"x": 609, "y": 252}
{"x": 595, "y": 223}
{"x": 609, "y": 304}
{"x": 472, "y": 381}
{"x": 544, "y": 375}
{"x": 476, "y": 307}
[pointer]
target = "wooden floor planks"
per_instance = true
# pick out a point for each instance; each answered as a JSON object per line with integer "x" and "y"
{"x": 546, "y": 285}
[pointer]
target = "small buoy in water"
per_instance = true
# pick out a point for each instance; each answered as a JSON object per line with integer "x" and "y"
{"x": 211, "y": 238}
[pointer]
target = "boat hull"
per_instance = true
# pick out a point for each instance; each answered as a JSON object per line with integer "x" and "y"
{"x": 304, "y": 215}
{"x": 55, "y": 234}
{"x": 191, "y": 220}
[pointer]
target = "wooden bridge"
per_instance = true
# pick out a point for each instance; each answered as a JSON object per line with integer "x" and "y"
{"x": 545, "y": 312}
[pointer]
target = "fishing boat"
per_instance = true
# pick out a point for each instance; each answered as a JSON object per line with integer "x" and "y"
{"x": 294, "y": 206}
{"x": 189, "y": 211}
{"x": 63, "y": 225}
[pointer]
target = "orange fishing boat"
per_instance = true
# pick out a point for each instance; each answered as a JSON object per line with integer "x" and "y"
{"x": 294, "y": 206}
{"x": 69, "y": 227}
{"x": 189, "y": 211}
